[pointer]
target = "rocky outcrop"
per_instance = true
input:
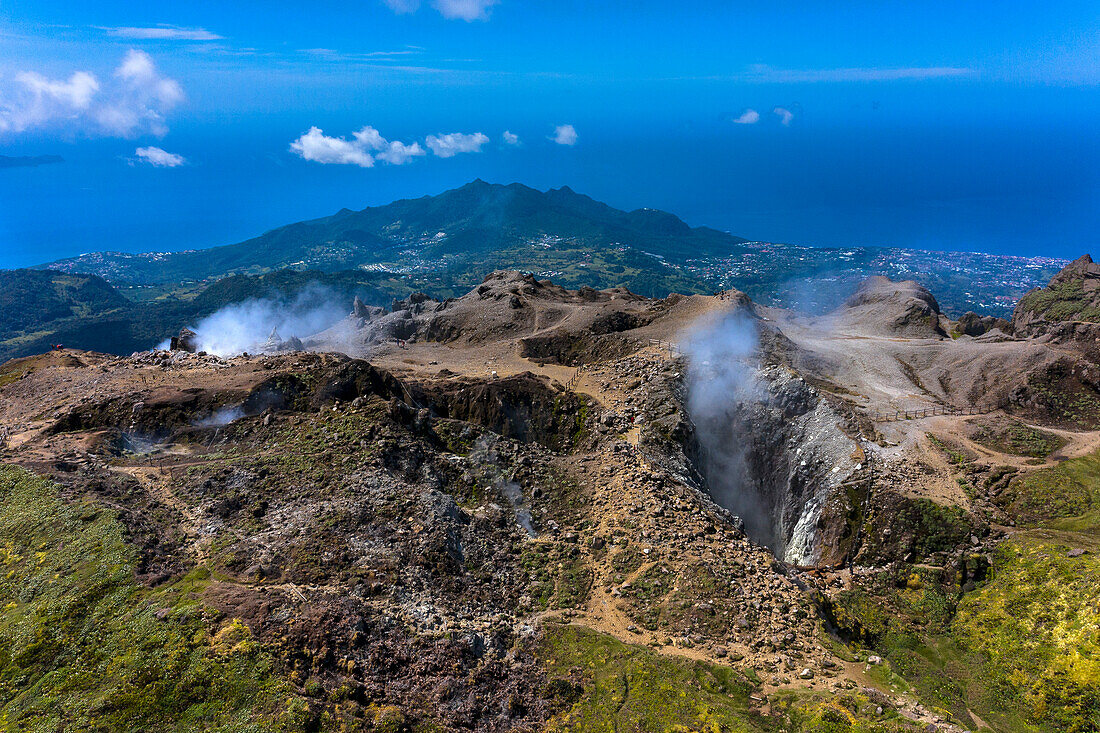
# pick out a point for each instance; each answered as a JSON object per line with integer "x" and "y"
{"x": 187, "y": 340}
{"x": 552, "y": 324}
{"x": 1072, "y": 296}
{"x": 883, "y": 307}
{"x": 523, "y": 407}
{"x": 971, "y": 324}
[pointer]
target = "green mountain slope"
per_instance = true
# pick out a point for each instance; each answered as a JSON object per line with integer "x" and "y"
{"x": 449, "y": 233}
{"x": 37, "y": 296}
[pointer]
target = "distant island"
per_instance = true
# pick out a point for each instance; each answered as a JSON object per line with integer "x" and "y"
{"x": 28, "y": 161}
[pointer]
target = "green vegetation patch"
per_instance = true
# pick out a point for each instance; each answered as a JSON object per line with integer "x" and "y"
{"x": 848, "y": 712}
{"x": 907, "y": 620}
{"x": 1018, "y": 439}
{"x": 1022, "y": 650}
{"x": 558, "y": 575}
{"x": 607, "y": 685}
{"x": 629, "y": 687}
{"x": 1063, "y": 301}
{"x": 1047, "y": 493}
{"x": 957, "y": 455}
{"x": 84, "y": 647}
{"x": 1038, "y": 623}
{"x": 1061, "y": 395}
{"x": 920, "y": 527}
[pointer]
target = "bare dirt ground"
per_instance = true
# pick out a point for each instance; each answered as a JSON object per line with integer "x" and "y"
{"x": 885, "y": 373}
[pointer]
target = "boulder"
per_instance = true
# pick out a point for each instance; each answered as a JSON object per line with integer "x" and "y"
{"x": 187, "y": 340}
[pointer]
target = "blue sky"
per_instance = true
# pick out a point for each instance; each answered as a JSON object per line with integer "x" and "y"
{"x": 941, "y": 125}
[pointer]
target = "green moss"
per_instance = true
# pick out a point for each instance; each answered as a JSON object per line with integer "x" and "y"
{"x": 1048, "y": 493}
{"x": 1019, "y": 439}
{"x": 557, "y": 575}
{"x": 632, "y": 688}
{"x": 81, "y": 647}
{"x": 456, "y": 436}
{"x": 1064, "y": 301}
{"x": 850, "y": 712}
{"x": 606, "y": 685}
{"x": 918, "y": 526}
{"x": 1064, "y": 396}
{"x": 908, "y": 622}
{"x": 1037, "y": 626}
{"x": 1022, "y": 650}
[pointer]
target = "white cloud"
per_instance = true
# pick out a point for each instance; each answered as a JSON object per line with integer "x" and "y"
{"x": 398, "y": 153}
{"x": 366, "y": 146}
{"x": 784, "y": 114}
{"x": 135, "y": 101}
{"x": 451, "y": 144}
{"x": 565, "y": 135}
{"x": 159, "y": 158}
{"x": 510, "y": 138}
{"x": 402, "y": 7}
{"x": 75, "y": 94}
{"x": 163, "y": 33}
{"x": 748, "y": 117}
{"x": 320, "y": 148}
{"x": 467, "y": 10}
{"x": 762, "y": 73}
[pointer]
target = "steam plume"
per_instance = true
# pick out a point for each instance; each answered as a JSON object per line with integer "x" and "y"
{"x": 248, "y": 326}
{"x": 723, "y": 358}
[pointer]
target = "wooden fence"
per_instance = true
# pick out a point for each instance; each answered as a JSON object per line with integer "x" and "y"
{"x": 898, "y": 415}
{"x": 571, "y": 385}
{"x": 671, "y": 347}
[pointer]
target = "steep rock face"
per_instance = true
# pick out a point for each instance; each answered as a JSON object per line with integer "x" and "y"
{"x": 797, "y": 456}
{"x": 883, "y": 307}
{"x": 1073, "y": 295}
{"x": 971, "y": 324}
{"x": 523, "y": 407}
{"x": 776, "y": 457}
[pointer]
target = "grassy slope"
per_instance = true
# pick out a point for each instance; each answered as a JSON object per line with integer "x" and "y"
{"x": 1021, "y": 651}
{"x": 81, "y": 647}
{"x": 1064, "y": 301}
{"x": 621, "y": 687}
{"x": 1038, "y": 621}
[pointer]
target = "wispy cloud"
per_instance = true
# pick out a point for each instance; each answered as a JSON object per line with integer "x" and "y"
{"x": 785, "y": 115}
{"x": 161, "y": 33}
{"x": 763, "y": 73}
{"x": 159, "y": 158}
{"x": 402, "y": 7}
{"x": 134, "y": 101}
{"x": 467, "y": 10}
{"x": 451, "y": 144}
{"x": 366, "y": 146}
{"x": 748, "y": 117}
{"x": 564, "y": 135}
{"x": 510, "y": 138}
{"x": 330, "y": 54}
